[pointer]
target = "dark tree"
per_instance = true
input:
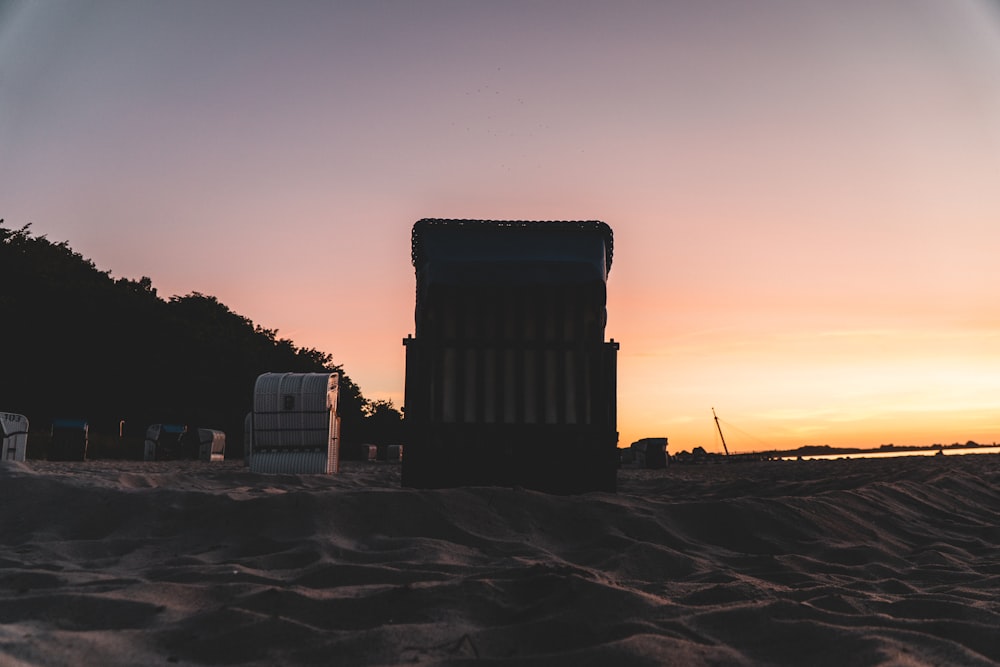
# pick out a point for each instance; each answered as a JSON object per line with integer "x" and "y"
{"x": 79, "y": 343}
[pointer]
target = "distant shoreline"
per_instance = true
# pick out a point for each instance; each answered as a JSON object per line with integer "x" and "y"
{"x": 886, "y": 450}
{"x": 821, "y": 452}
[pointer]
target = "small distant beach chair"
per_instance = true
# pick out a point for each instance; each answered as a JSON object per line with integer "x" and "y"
{"x": 212, "y": 445}
{"x": 202, "y": 444}
{"x": 294, "y": 424}
{"x": 163, "y": 442}
{"x": 69, "y": 440}
{"x": 650, "y": 453}
{"x": 14, "y": 433}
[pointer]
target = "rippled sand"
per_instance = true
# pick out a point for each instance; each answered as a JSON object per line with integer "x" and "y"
{"x": 861, "y": 562}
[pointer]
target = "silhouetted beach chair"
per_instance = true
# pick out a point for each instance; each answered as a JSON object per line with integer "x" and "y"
{"x": 508, "y": 378}
{"x": 650, "y": 453}
{"x": 69, "y": 440}
{"x": 163, "y": 442}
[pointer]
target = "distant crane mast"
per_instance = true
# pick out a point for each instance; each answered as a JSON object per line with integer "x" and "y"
{"x": 718, "y": 426}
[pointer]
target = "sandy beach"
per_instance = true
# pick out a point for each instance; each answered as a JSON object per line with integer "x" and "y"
{"x": 862, "y": 562}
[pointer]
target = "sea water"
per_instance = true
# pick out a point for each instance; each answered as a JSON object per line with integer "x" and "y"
{"x": 884, "y": 454}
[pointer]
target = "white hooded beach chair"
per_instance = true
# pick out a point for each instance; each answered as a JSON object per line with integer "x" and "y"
{"x": 295, "y": 427}
{"x": 14, "y": 431}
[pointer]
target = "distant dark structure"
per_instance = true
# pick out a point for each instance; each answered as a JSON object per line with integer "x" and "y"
{"x": 174, "y": 442}
{"x": 508, "y": 378}
{"x": 163, "y": 442}
{"x": 68, "y": 440}
{"x": 650, "y": 453}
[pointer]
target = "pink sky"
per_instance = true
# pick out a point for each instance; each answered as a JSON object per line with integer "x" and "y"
{"x": 804, "y": 195}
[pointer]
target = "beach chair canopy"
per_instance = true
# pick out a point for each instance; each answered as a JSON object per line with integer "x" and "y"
{"x": 70, "y": 425}
{"x": 504, "y": 252}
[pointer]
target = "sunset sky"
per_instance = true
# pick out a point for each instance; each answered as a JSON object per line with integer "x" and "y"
{"x": 805, "y": 195}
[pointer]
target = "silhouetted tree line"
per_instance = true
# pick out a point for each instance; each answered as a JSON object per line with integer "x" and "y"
{"x": 78, "y": 343}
